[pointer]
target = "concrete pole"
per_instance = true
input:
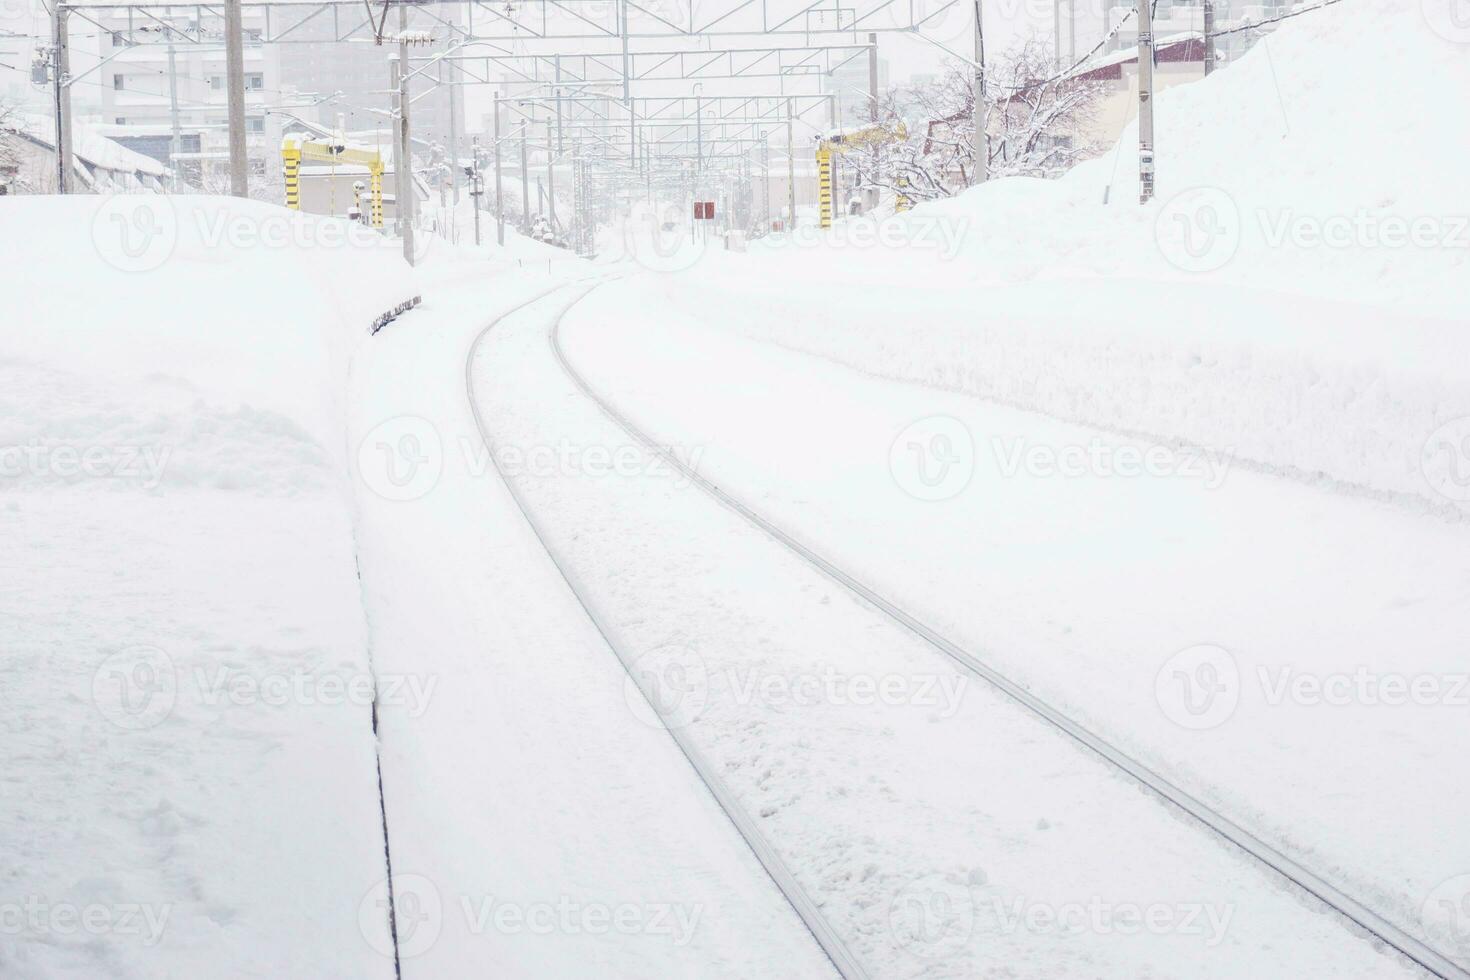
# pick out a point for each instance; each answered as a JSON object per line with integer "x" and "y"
{"x": 873, "y": 78}
{"x": 453, "y": 130}
{"x": 525, "y": 184}
{"x": 981, "y": 113}
{"x": 1145, "y": 101}
{"x": 61, "y": 80}
{"x": 406, "y": 202}
{"x": 1056, "y": 31}
{"x": 175, "y": 141}
{"x": 476, "y": 190}
{"x": 791, "y": 164}
{"x": 1209, "y": 38}
{"x": 499, "y": 186}
{"x": 235, "y": 93}
{"x": 550, "y": 177}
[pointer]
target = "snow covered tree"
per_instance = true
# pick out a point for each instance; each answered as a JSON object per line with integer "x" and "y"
{"x": 1039, "y": 125}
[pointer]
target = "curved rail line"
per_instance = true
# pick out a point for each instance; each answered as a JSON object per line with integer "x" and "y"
{"x": 842, "y": 958}
{"x": 1357, "y": 913}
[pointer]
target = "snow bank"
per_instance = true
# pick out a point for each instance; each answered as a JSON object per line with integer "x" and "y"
{"x": 184, "y": 672}
{"x": 1294, "y": 295}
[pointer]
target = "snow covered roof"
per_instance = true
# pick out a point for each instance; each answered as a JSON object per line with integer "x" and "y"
{"x": 91, "y": 147}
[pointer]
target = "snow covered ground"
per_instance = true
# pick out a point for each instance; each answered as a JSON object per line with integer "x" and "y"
{"x": 188, "y": 756}
{"x": 1195, "y": 473}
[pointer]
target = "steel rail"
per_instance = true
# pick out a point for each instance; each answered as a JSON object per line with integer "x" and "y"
{"x": 1357, "y": 913}
{"x": 832, "y": 945}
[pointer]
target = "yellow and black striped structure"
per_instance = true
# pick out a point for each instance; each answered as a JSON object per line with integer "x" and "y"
{"x": 824, "y": 185}
{"x": 294, "y": 150}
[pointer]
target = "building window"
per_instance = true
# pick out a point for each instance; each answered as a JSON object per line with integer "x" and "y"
{"x": 118, "y": 39}
{"x": 117, "y": 82}
{"x": 119, "y": 120}
{"x": 216, "y": 82}
{"x": 255, "y": 124}
{"x": 254, "y": 81}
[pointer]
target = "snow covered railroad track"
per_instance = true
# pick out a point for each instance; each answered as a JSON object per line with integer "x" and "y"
{"x": 1357, "y": 913}
{"x": 837, "y": 952}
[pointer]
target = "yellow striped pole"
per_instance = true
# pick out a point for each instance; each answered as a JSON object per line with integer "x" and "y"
{"x": 901, "y": 200}
{"x": 291, "y": 160}
{"x": 824, "y": 186}
{"x": 376, "y": 183}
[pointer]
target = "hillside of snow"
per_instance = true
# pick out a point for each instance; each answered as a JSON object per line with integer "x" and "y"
{"x": 1294, "y": 296}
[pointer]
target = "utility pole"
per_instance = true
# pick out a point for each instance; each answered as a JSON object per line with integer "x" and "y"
{"x": 477, "y": 187}
{"x": 873, "y": 78}
{"x": 235, "y": 97}
{"x": 453, "y": 128}
{"x": 1145, "y": 101}
{"x": 791, "y": 163}
{"x": 765, "y": 183}
{"x": 1209, "y": 38}
{"x": 61, "y": 79}
{"x": 981, "y": 116}
{"x": 1056, "y": 33}
{"x": 550, "y": 177}
{"x": 174, "y": 147}
{"x": 499, "y": 187}
{"x": 404, "y": 167}
{"x": 525, "y": 185}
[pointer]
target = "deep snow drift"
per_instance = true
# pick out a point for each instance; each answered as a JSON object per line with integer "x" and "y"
{"x": 188, "y": 750}
{"x": 1294, "y": 297}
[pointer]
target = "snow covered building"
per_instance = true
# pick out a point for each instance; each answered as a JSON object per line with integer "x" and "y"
{"x": 28, "y": 160}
